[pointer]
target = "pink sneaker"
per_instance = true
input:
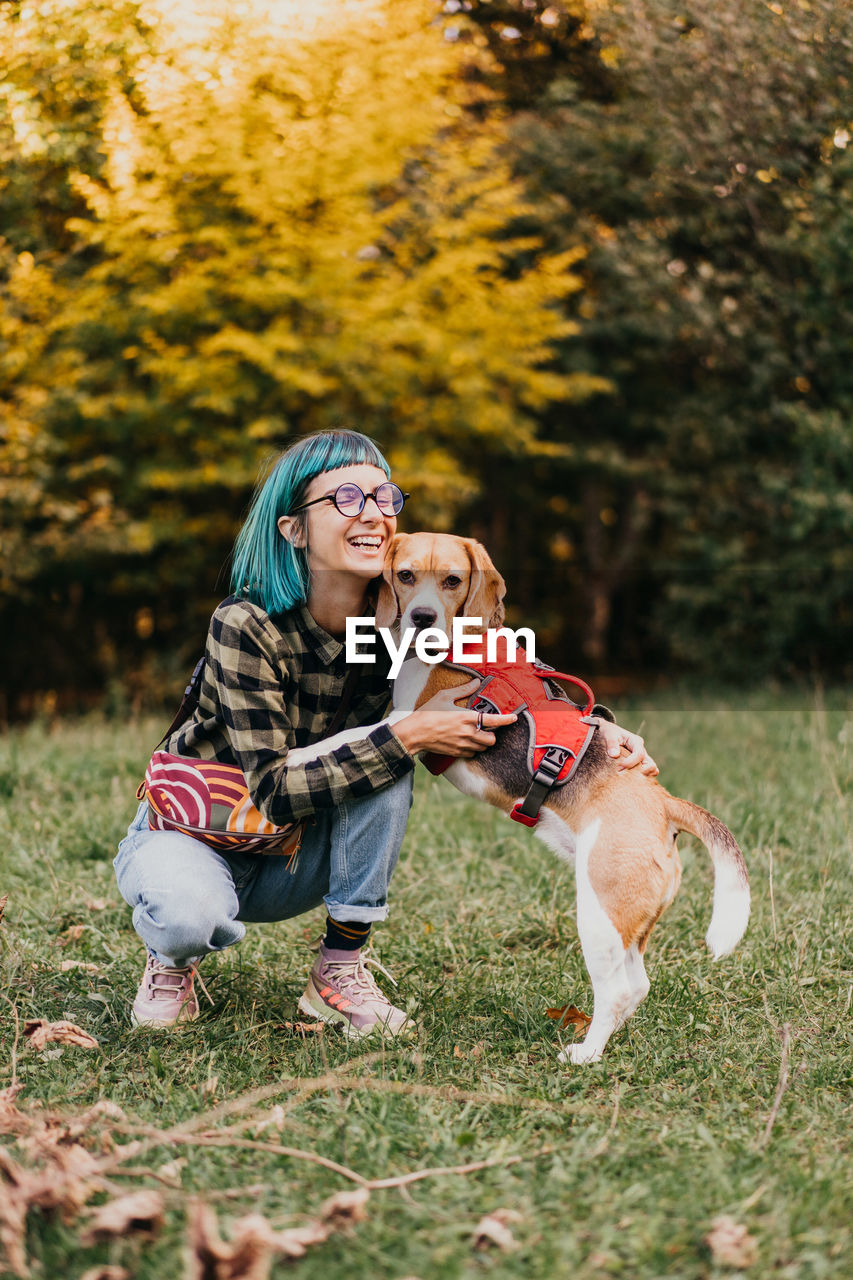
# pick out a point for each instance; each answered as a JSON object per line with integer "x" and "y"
{"x": 343, "y": 991}
{"x": 165, "y": 995}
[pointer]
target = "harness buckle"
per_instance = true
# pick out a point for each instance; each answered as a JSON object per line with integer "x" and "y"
{"x": 551, "y": 764}
{"x": 526, "y": 811}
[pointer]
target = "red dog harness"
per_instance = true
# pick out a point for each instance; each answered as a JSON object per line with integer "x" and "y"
{"x": 559, "y": 731}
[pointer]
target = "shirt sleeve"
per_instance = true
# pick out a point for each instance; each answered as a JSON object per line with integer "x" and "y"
{"x": 246, "y": 668}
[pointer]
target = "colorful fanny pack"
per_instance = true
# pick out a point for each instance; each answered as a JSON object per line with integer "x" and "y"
{"x": 210, "y": 802}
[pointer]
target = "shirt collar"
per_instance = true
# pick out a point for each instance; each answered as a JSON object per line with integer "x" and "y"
{"x": 326, "y": 647}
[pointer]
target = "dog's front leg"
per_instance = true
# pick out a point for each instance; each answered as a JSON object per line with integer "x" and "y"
{"x": 409, "y": 686}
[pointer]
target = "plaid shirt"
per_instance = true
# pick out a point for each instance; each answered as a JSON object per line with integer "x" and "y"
{"x": 273, "y": 683}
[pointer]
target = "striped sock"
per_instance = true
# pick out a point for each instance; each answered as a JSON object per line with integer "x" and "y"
{"x": 346, "y": 936}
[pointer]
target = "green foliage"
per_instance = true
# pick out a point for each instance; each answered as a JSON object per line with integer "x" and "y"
{"x": 700, "y": 152}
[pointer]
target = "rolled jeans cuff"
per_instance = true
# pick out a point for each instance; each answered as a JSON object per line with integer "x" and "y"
{"x": 342, "y": 912}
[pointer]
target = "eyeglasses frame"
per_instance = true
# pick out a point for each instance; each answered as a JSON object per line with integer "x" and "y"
{"x": 349, "y": 484}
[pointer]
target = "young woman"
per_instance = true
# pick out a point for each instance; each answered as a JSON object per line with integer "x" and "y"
{"x": 312, "y": 545}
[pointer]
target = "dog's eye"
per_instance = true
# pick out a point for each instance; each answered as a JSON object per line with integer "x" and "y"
{"x": 406, "y": 575}
{"x": 452, "y": 581}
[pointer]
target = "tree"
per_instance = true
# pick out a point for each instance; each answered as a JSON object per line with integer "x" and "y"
{"x": 264, "y": 238}
{"x": 691, "y": 148}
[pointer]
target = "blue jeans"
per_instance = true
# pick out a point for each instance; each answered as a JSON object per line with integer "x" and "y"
{"x": 188, "y": 898}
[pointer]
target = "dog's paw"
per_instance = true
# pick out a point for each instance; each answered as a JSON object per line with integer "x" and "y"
{"x": 578, "y": 1054}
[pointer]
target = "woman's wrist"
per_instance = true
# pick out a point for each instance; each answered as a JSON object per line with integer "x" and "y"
{"x": 407, "y": 731}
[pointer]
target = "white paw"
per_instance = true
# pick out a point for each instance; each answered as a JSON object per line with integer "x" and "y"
{"x": 578, "y": 1054}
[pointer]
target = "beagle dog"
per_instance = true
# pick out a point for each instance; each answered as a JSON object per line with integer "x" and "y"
{"x": 618, "y": 827}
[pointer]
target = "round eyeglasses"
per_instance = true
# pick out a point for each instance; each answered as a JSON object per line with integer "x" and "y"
{"x": 350, "y": 500}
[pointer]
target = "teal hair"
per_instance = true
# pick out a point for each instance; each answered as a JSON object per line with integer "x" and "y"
{"x": 267, "y": 569}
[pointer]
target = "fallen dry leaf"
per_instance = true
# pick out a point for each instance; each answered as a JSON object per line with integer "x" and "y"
{"x": 67, "y": 965}
{"x": 304, "y": 1028}
{"x": 731, "y": 1244}
{"x": 476, "y": 1051}
{"x": 13, "y": 1214}
{"x": 104, "y": 1107}
{"x": 56, "y": 1174}
{"x": 50, "y": 1129}
{"x": 250, "y": 1252}
{"x": 64, "y": 1185}
{"x": 173, "y": 1169}
{"x": 96, "y": 904}
{"x": 140, "y": 1213}
{"x": 106, "y": 1273}
{"x": 68, "y": 1181}
{"x": 494, "y": 1229}
{"x": 3, "y": 902}
{"x": 570, "y": 1016}
{"x": 11, "y": 1119}
{"x": 39, "y": 1032}
{"x": 254, "y": 1244}
{"x": 73, "y": 933}
{"x": 345, "y": 1208}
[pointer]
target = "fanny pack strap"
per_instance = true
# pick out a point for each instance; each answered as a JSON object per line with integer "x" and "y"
{"x": 189, "y": 702}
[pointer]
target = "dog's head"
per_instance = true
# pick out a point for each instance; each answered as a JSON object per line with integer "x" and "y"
{"x": 432, "y": 578}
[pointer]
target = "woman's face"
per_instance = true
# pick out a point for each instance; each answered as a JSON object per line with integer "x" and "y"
{"x": 344, "y": 544}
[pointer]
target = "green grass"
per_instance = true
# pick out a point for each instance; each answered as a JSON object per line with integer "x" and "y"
{"x": 641, "y": 1151}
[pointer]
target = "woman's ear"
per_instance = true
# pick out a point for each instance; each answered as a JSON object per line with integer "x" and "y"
{"x": 387, "y": 604}
{"x": 293, "y": 530}
{"x": 486, "y": 589}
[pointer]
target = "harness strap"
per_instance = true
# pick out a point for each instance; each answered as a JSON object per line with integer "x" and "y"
{"x": 437, "y": 764}
{"x": 527, "y": 810}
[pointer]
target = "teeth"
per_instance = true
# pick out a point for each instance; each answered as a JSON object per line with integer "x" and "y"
{"x": 365, "y": 542}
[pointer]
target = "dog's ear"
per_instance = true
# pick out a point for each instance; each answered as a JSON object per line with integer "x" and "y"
{"x": 387, "y": 604}
{"x": 486, "y": 589}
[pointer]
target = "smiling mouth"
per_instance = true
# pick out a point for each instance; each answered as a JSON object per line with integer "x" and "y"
{"x": 366, "y": 543}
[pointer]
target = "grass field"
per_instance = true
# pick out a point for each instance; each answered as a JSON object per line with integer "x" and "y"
{"x": 728, "y": 1094}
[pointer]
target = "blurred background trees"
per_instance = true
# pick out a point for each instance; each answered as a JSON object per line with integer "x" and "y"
{"x": 583, "y": 270}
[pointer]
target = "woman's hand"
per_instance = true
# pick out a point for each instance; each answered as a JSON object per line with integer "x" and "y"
{"x": 615, "y": 738}
{"x": 440, "y": 726}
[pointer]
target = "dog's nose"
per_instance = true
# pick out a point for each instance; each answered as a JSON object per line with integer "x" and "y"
{"x": 423, "y": 618}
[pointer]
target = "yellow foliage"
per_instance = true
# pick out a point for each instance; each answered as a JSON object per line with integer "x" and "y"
{"x": 289, "y": 231}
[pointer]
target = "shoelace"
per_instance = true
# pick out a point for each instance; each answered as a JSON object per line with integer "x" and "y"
{"x": 358, "y": 978}
{"x": 172, "y": 971}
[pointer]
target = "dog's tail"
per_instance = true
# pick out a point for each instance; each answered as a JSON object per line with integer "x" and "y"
{"x": 731, "y": 881}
